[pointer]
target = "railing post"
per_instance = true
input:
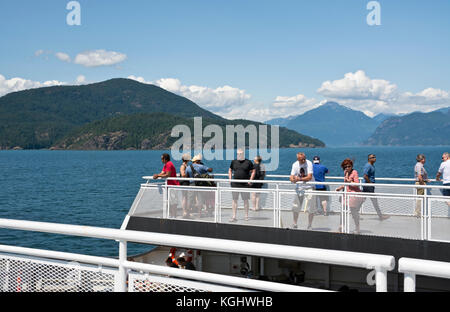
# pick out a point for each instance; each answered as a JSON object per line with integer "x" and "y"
{"x": 165, "y": 202}
{"x": 345, "y": 214}
{"x": 121, "y": 283}
{"x": 217, "y": 207}
{"x": 409, "y": 284}
{"x": 276, "y": 219}
{"x": 381, "y": 280}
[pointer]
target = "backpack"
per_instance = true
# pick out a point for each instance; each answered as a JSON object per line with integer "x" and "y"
{"x": 197, "y": 175}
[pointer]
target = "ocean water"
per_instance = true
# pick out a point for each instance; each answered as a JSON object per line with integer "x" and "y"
{"x": 97, "y": 188}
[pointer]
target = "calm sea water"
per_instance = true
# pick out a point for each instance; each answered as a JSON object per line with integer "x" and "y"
{"x": 97, "y": 188}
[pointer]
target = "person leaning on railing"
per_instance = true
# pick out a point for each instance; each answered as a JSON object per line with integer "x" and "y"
{"x": 354, "y": 202}
{"x": 421, "y": 177}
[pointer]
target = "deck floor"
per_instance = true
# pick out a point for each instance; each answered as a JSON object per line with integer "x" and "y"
{"x": 399, "y": 226}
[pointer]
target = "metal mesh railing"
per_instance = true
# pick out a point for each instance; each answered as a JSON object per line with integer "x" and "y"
{"x": 140, "y": 282}
{"x": 28, "y": 274}
{"x": 411, "y": 215}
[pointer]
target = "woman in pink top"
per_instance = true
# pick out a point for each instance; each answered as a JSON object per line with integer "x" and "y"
{"x": 354, "y": 203}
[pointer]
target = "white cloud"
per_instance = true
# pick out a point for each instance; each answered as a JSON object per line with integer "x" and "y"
{"x": 19, "y": 84}
{"x": 234, "y": 103}
{"x": 99, "y": 58}
{"x": 358, "y": 86}
{"x": 222, "y": 100}
{"x": 39, "y": 52}
{"x": 374, "y": 96}
{"x": 63, "y": 57}
{"x": 81, "y": 79}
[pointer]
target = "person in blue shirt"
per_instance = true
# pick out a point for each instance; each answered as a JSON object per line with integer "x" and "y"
{"x": 369, "y": 177}
{"x": 198, "y": 199}
{"x": 319, "y": 172}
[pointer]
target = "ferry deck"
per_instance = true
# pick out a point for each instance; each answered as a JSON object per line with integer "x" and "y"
{"x": 405, "y": 252}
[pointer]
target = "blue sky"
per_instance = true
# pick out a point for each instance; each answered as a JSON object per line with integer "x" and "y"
{"x": 253, "y": 59}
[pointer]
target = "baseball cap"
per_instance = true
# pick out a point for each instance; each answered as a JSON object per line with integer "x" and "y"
{"x": 316, "y": 159}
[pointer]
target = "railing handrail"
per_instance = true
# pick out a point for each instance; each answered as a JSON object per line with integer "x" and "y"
{"x": 414, "y": 186}
{"x": 157, "y": 269}
{"x": 411, "y": 267}
{"x": 285, "y": 176}
{"x": 380, "y": 263}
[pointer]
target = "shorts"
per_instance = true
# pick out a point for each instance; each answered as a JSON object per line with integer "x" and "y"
{"x": 244, "y": 195}
{"x": 368, "y": 189}
{"x": 257, "y": 185}
{"x": 446, "y": 192}
{"x": 311, "y": 206}
{"x": 322, "y": 197}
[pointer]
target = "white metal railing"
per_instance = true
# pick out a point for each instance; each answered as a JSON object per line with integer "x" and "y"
{"x": 399, "y": 201}
{"x": 412, "y": 267}
{"x": 380, "y": 263}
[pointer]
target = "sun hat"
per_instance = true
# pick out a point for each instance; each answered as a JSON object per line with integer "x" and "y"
{"x": 197, "y": 158}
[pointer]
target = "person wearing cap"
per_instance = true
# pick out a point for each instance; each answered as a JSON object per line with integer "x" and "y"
{"x": 197, "y": 167}
{"x": 369, "y": 177}
{"x": 319, "y": 175}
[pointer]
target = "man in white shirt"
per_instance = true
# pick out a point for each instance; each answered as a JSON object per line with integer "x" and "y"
{"x": 302, "y": 172}
{"x": 444, "y": 172}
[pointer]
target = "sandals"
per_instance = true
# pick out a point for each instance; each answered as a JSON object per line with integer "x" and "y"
{"x": 233, "y": 220}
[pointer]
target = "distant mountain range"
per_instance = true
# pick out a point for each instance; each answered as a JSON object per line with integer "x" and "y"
{"x": 414, "y": 129}
{"x": 334, "y": 124}
{"x": 338, "y": 125}
{"x": 114, "y": 114}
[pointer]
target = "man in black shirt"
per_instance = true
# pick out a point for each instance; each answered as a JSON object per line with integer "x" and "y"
{"x": 243, "y": 170}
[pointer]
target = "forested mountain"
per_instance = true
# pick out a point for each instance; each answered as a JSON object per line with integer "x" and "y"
{"x": 414, "y": 129}
{"x": 43, "y": 117}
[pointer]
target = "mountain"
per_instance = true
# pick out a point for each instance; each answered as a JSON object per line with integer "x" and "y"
{"x": 382, "y": 117}
{"x": 153, "y": 131}
{"x": 41, "y": 118}
{"x": 282, "y": 122}
{"x": 334, "y": 124}
{"x": 443, "y": 110}
{"x": 413, "y": 129}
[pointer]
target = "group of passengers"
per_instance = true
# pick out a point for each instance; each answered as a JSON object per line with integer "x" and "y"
{"x": 303, "y": 170}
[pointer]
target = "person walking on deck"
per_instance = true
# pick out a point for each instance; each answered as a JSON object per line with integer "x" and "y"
{"x": 369, "y": 177}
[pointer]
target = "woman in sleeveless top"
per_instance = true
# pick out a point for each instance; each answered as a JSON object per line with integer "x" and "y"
{"x": 354, "y": 202}
{"x": 260, "y": 173}
{"x": 186, "y": 158}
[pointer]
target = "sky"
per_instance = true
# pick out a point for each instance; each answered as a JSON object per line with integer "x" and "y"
{"x": 238, "y": 58}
